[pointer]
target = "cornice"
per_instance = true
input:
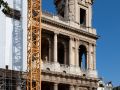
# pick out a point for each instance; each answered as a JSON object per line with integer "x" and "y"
{"x": 67, "y": 27}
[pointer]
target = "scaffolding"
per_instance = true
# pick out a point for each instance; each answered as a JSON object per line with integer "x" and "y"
{"x": 17, "y": 44}
{"x": 33, "y": 78}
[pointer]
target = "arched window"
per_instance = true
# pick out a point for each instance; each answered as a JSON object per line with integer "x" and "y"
{"x": 45, "y": 49}
{"x": 60, "y": 53}
{"x": 82, "y": 57}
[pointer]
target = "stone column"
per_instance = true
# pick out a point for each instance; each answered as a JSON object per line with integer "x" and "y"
{"x": 77, "y": 88}
{"x": 71, "y": 87}
{"x": 71, "y": 10}
{"x": 90, "y": 57}
{"x": 70, "y": 51}
{"x": 66, "y": 10}
{"x": 65, "y": 55}
{"x": 76, "y": 53}
{"x": 94, "y": 61}
{"x": 90, "y": 88}
{"x": 50, "y": 51}
{"x": 55, "y": 86}
{"x": 55, "y": 47}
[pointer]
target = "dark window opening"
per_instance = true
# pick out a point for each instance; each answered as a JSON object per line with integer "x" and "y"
{"x": 45, "y": 49}
{"x": 60, "y": 53}
{"x": 82, "y": 17}
{"x": 47, "y": 86}
{"x": 63, "y": 86}
{"x": 82, "y": 57}
{"x": 60, "y": 7}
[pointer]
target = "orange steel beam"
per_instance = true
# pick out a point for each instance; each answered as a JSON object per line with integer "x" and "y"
{"x": 34, "y": 45}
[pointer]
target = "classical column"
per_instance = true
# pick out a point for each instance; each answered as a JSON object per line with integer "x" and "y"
{"x": 70, "y": 51}
{"x": 76, "y": 53}
{"x": 55, "y": 86}
{"x": 66, "y": 10}
{"x": 90, "y": 88}
{"x": 65, "y": 55}
{"x": 87, "y": 55}
{"x": 50, "y": 50}
{"x": 55, "y": 47}
{"x": 77, "y": 88}
{"x": 94, "y": 61}
{"x": 71, "y": 87}
{"x": 90, "y": 57}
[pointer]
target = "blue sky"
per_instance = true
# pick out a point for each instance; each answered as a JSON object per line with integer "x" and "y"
{"x": 106, "y": 19}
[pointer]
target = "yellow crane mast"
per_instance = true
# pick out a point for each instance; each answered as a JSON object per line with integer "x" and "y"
{"x": 34, "y": 45}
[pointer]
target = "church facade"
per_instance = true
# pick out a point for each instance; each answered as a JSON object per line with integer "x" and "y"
{"x": 69, "y": 47}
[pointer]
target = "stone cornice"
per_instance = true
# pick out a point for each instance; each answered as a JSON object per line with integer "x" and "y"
{"x": 70, "y": 28}
{"x": 69, "y": 79}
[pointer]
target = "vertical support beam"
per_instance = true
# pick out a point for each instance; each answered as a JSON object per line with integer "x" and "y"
{"x": 55, "y": 47}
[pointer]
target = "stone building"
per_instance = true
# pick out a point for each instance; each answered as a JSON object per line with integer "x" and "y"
{"x": 68, "y": 47}
{"x": 104, "y": 86}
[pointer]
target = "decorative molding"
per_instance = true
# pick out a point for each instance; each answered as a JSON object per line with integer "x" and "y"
{"x": 68, "y": 28}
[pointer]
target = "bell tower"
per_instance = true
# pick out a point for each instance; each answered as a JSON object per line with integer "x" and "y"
{"x": 77, "y": 11}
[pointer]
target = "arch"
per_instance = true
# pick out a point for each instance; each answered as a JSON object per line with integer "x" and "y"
{"x": 82, "y": 57}
{"x": 45, "y": 49}
{"x": 61, "y": 52}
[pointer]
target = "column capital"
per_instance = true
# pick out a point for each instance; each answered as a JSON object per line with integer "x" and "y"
{"x": 77, "y": 39}
{"x": 90, "y": 43}
{"x": 55, "y": 83}
{"x": 71, "y": 38}
{"x": 56, "y": 32}
{"x": 55, "y": 47}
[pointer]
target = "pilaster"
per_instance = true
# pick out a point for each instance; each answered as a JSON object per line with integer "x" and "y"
{"x": 90, "y": 57}
{"x": 94, "y": 61}
{"x": 71, "y": 87}
{"x": 76, "y": 52}
{"x": 55, "y": 86}
{"x": 77, "y": 88}
{"x": 55, "y": 47}
{"x": 70, "y": 50}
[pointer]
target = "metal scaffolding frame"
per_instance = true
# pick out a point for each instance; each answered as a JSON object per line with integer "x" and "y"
{"x": 34, "y": 45}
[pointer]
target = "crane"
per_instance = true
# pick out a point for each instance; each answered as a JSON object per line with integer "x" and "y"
{"x": 34, "y": 45}
{"x": 33, "y": 40}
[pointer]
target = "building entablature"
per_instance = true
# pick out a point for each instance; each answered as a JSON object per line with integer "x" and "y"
{"x": 58, "y": 77}
{"x": 69, "y": 25}
{"x": 75, "y": 35}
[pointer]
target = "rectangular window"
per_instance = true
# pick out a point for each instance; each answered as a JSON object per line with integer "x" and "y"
{"x": 82, "y": 17}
